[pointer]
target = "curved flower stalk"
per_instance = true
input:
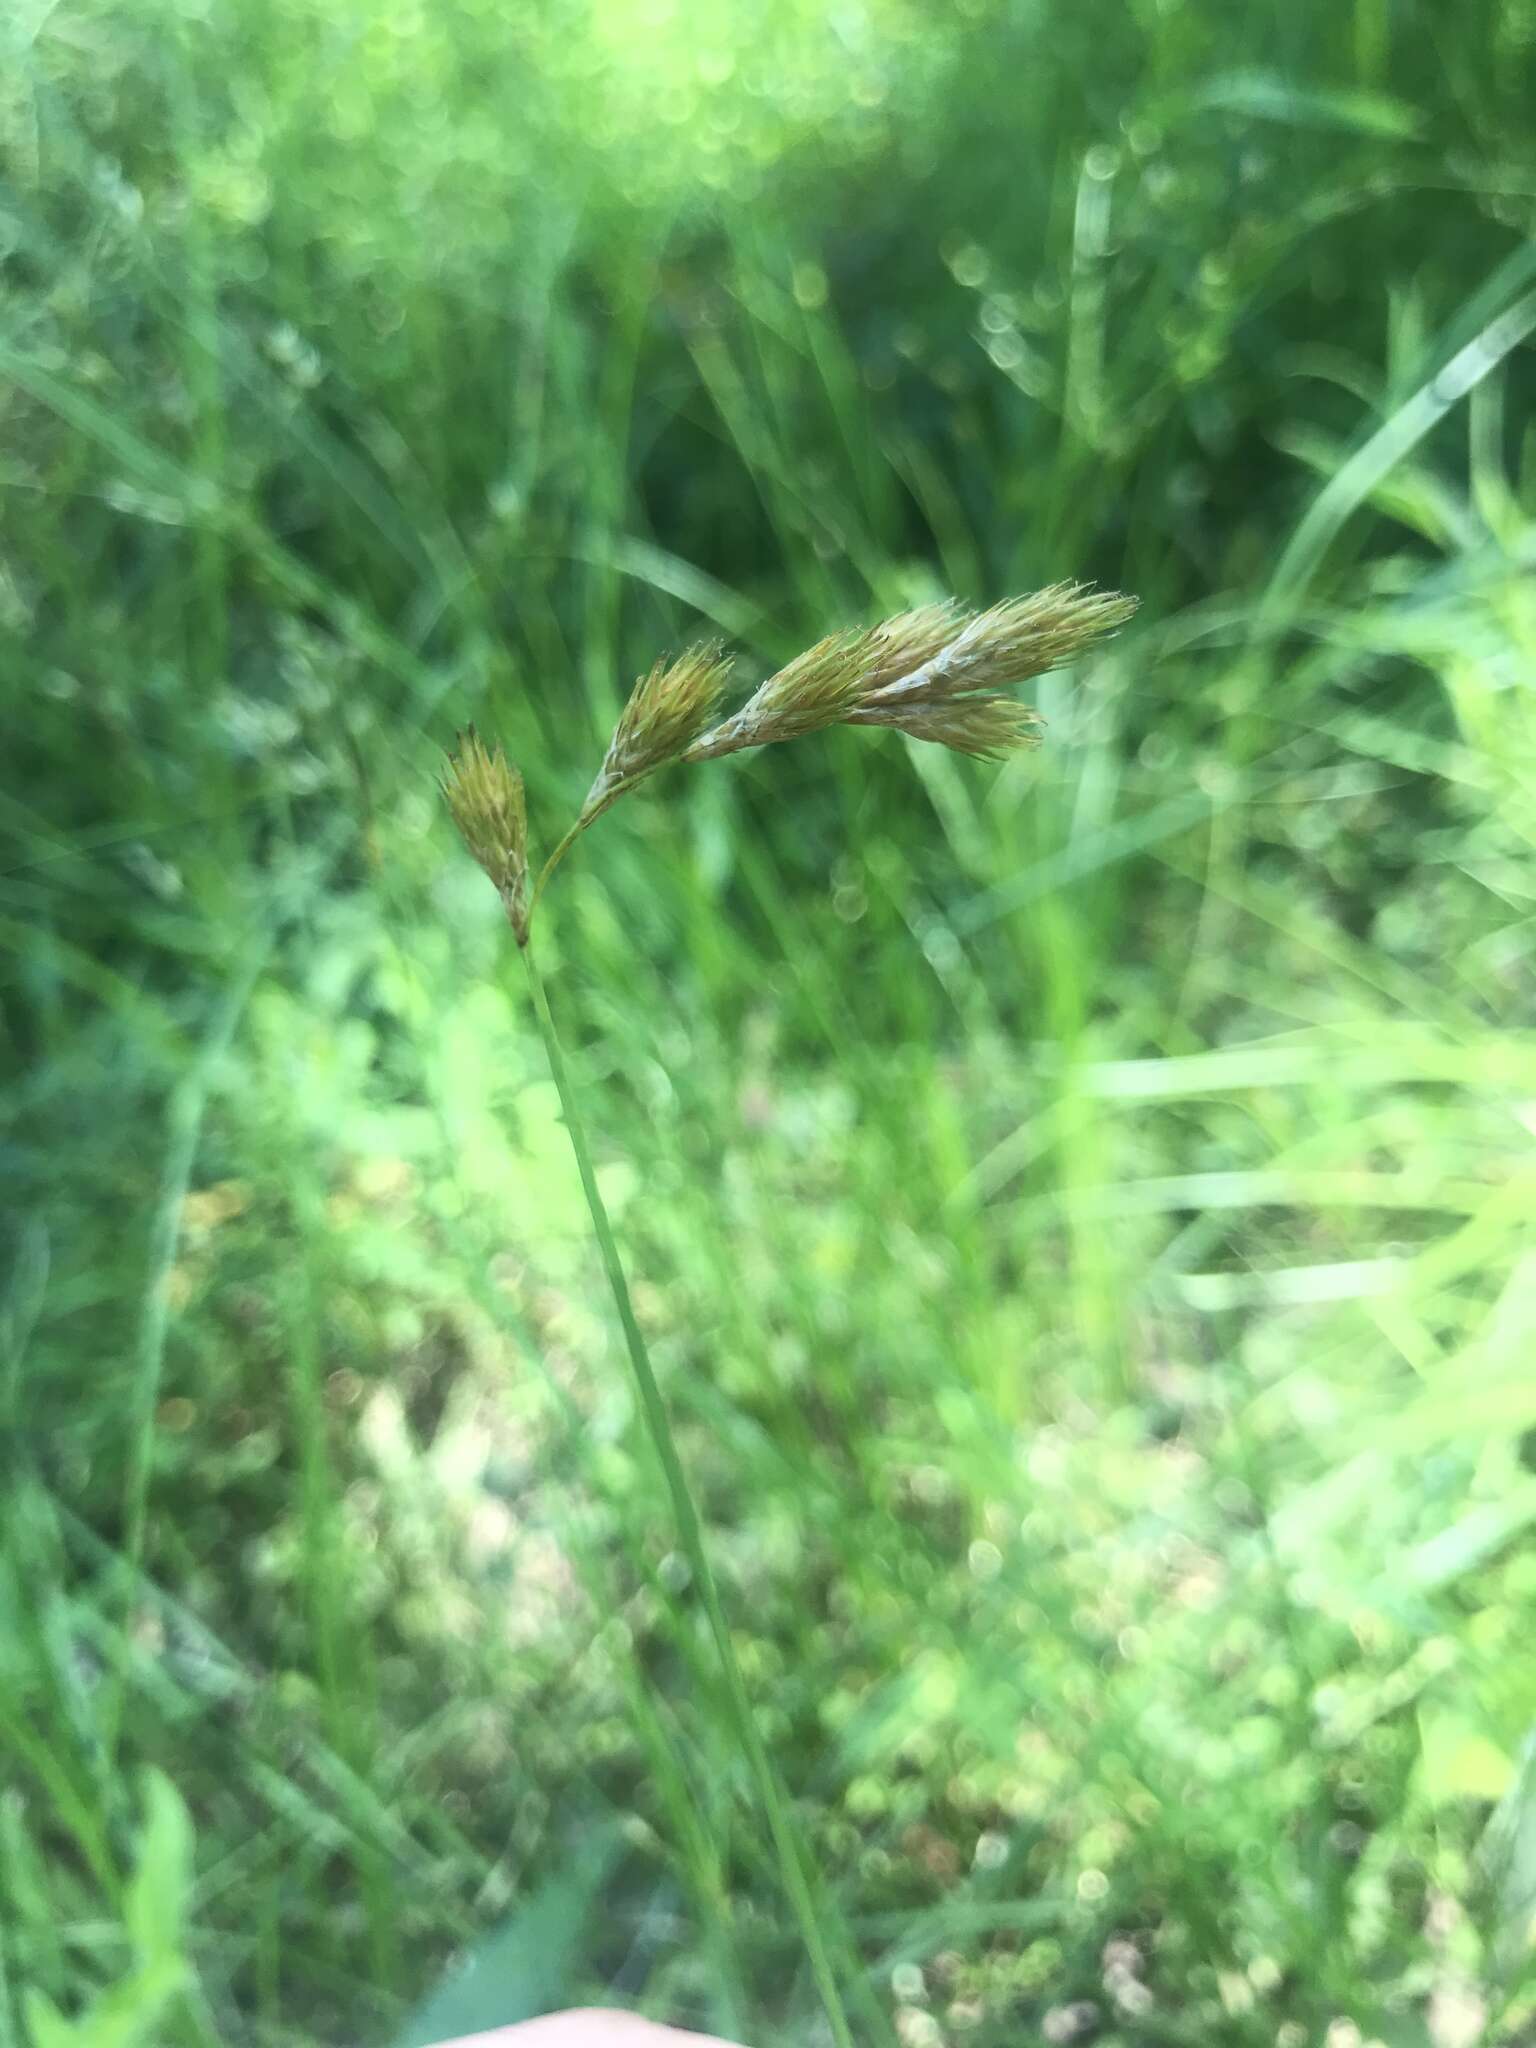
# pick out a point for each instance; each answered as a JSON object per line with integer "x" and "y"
{"x": 936, "y": 674}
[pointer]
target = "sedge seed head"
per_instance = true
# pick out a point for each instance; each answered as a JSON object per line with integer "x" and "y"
{"x": 816, "y": 689}
{"x": 982, "y": 725}
{"x": 1020, "y": 638}
{"x": 485, "y": 795}
{"x": 934, "y": 673}
{"x": 898, "y": 646}
{"x": 666, "y": 710}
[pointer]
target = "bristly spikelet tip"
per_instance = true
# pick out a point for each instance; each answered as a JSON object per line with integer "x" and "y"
{"x": 667, "y": 709}
{"x": 485, "y": 795}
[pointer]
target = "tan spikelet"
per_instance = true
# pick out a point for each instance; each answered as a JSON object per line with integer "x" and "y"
{"x": 899, "y": 645}
{"x": 814, "y": 690}
{"x": 936, "y": 656}
{"x": 1020, "y": 638}
{"x": 984, "y": 726}
{"x": 665, "y": 711}
{"x": 485, "y": 795}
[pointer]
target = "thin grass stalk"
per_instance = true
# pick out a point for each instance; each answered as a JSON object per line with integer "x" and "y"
{"x": 934, "y": 673}
{"x": 565, "y": 845}
{"x": 793, "y": 1865}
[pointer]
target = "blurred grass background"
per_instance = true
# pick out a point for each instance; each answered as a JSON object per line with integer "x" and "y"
{"x": 1081, "y": 1209}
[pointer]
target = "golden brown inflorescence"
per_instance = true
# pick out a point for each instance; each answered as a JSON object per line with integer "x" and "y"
{"x": 666, "y": 710}
{"x": 936, "y": 674}
{"x": 485, "y": 795}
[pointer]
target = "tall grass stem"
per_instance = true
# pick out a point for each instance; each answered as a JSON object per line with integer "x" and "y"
{"x": 793, "y": 1864}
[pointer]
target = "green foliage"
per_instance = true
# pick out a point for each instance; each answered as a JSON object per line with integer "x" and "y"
{"x": 1078, "y": 1209}
{"x": 154, "y": 1902}
{"x": 523, "y": 1967}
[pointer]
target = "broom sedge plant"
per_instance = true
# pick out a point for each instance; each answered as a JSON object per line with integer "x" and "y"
{"x": 938, "y": 674}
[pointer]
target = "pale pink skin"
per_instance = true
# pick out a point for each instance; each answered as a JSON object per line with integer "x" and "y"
{"x": 587, "y": 2028}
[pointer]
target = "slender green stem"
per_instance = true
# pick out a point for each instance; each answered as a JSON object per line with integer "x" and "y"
{"x": 588, "y": 817}
{"x": 555, "y": 859}
{"x": 775, "y": 1804}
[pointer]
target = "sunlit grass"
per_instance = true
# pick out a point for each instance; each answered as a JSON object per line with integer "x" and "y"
{"x": 1115, "y": 1435}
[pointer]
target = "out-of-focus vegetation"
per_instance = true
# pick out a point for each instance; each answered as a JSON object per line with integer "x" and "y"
{"x": 1081, "y": 1210}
